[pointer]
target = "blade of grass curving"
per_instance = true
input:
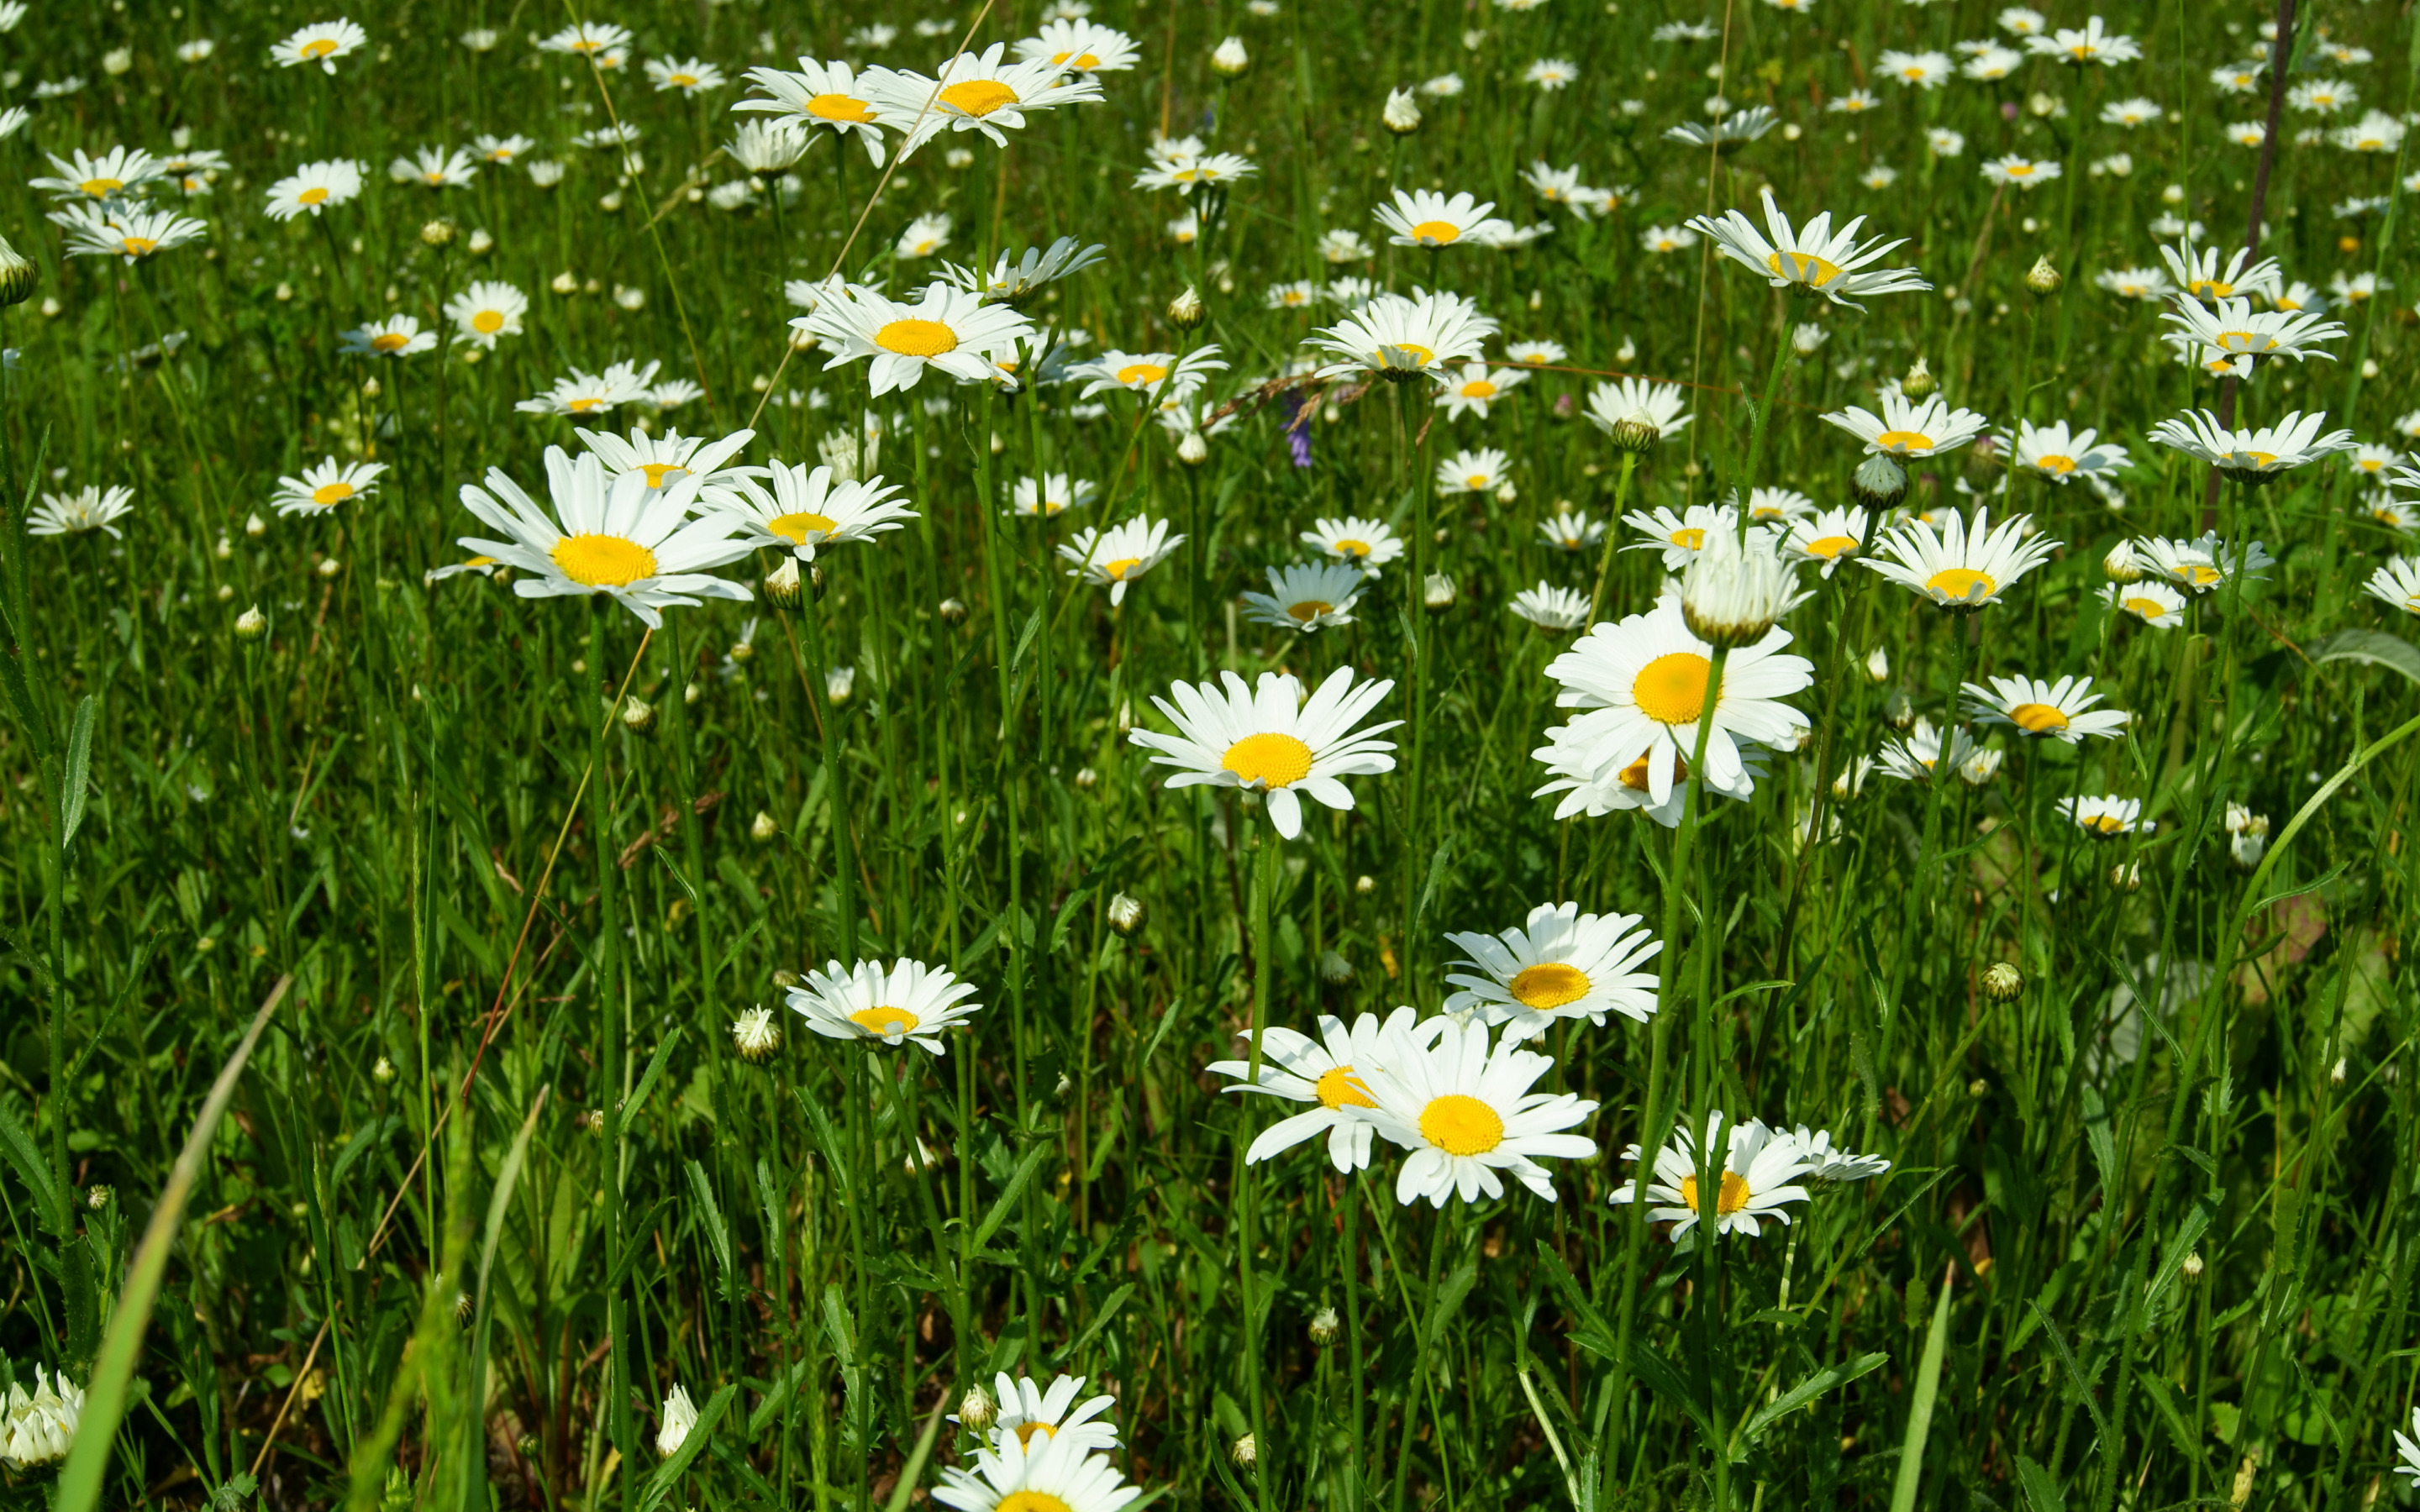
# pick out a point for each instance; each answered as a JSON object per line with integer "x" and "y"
{"x": 1919, "y": 1408}
{"x": 105, "y": 1399}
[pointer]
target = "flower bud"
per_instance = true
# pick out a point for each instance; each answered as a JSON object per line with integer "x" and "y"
{"x": 1185, "y": 312}
{"x": 1878, "y": 665}
{"x": 761, "y": 828}
{"x": 1636, "y": 433}
{"x": 1125, "y": 913}
{"x": 255, "y": 527}
{"x": 1919, "y": 382}
{"x": 679, "y": 1417}
{"x": 436, "y": 233}
{"x": 1731, "y": 593}
{"x": 786, "y": 979}
{"x": 98, "y": 1197}
{"x": 638, "y": 715}
{"x": 2337, "y": 1072}
{"x": 782, "y": 587}
{"x": 251, "y": 625}
{"x": 1229, "y": 59}
{"x": 481, "y": 243}
{"x": 2042, "y": 278}
{"x": 1897, "y": 711}
{"x": 1193, "y": 451}
{"x": 383, "y": 1071}
{"x": 839, "y": 683}
{"x": 1437, "y": 593}
{"x": 1402, "y": 113}
{"x": 1977, "y": 1089}
{"x": 2003, "y": 982}
{"x": 16, "y": 276}
{"x": 1247, "y": 1452}
{"x": 2128, "y": 877}
{"x": 1365, "y": 883}
{"x": 2119, "y": 566}
{"x": 953, "y": 610}
{"x": 754, "y": 1034}
{"x": 975, "y": 1409}
{"x": 1334, "y": 970}
{"x": 1325, "y": 1327}
{"x": 1878, "y": 482}
{"x": 2192, "y": 1268}
{"x": 1807, "y": 337}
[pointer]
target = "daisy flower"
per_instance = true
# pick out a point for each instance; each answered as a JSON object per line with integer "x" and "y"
{"x": 2053, "y": 452}
{"x": 1016, "y": 275}
{"x": 323, "y": 487}
{"x": 1401, "y": 338}
{"x": 1916, "y": 756}
{"x": 1534, "y": 353}
{"x": 500, "y": 150}
{"x": 805, "y": 509}
{"x": 1115, "y": 557}
{"x": 1300, "y": 295}
{"x": 1343, "y": 246}
{"x": 1640, "y": 403}
{"x": 664, "y": 460}
{"x": 1424, "y": 218}
{"x": 2250, "y": 337}
{"x": 1572, "y": 532}
{"x": 687, "y": 75}
{"x": 2023, "y": 20}
{"x": 1908, "y": 429}
{"x": 1551, "y": 73}
{"x": 2252, "y": 455}
{"x": 1559, "y": 964}
{"x": 1268, "y": 737}
{"x": 2198, "y": 565}
{"x": 109, "y": 176}
{"x": 1761, "y": 1168}
{"x": 947, "y": 328}
{"x": 1079, "y": 46}
{"x": 1917, "y": 70}
{"x": 1680, "y": 537}
{"x": 486, "y": 310}
{"x": 2063, "y": 709}
{"x": 593, "y": 393}
{"x": 1827, "y": 1164}
{"x": 2396, "y": 584}
{"x": 1643, "y": 684}
{"x": 834, "y": 97}
{"x": 1050, "y": 495}
{"x": 1667, "y": 238}
{"x": 2106, "y": 817}
{"x": 1960, "y": 568}
{"x": 1326, "y": 1072}
{"x": 1830, "y": 538}
{"x": 599, "y": 41}
{"x": 1465, "y": 1110}
{"x": 2088, "y": 43}
{"x": 313, "y": 187}
{"x": 1055, "y": 1474}
{"x": 1992, "y": 64}
{"x": 924, "y": 236}
{"x": 2156, "y": 605}
{"x": 907, "y": 1002}
{"x": 395, "y": 336}
{"x": 1855, "y": 102}
{"x": 1159, "y": 378}
{"x": 1366, "y": 544}
{"x": 1467, "y": 471}
{"x": 616, "y": 536}
{"x": 1029, "y": 1410}
{"x": 2392, "y": 513}
{"x": 1478, "y": 387}
{"x": 1779, "y": 505}
{"x": 2407, "y": 1451}
{"x": 1569, "y": 759}
{"x": 435, "y": 168}
{"x": 323, "y": 44}
{"x": 1186, "y": 172}
{"x": 73, "y": 513}
{"x": 2323, "y": 97}
{"x": 129, "y": 233}
{"x": 1306, "y": 597}
{"x": 2148, "y": 284}
{"x": 2025, "y": 173}
{"x": 1944, "y": 142}
{"x": 2377, "y": 132}
{"x": 1556, "y": 186}
{"x": 2131, "y": 113}
{"x": 2202, "y": 276}
{"x": 1812, "y": 259}
{"x": 978, "y": 92}
{"x": 1555, "y": 611}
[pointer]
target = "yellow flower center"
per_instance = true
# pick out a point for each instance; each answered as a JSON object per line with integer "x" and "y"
{"x": 103, "y": 188}
{"x": 1479, "y": 389}
{"x": 602, "y": 561}
{"x": 1671, "y": 689}
{"x": 2056, "y": 464}
{"x": 1310, "y": 610}
{"x": 1084, "y": 61}
{"x": 1549, "y": 985}
{"x": 389, "y": 341}
{"x": 682, "y": 80}
{"x": 1733, "y": 1196}
{"x": 331, "y": 493}
{"x": 318, "y": 47}
{"x": 1439, "y": 232}
{"x": 2103, "y": 824}
{"x": 655, "y": 473}
{"x": 487, "y": 322}
{"x": 1138, "y": 373}
{"x": 2258, "y": 459}
{"x": 847, "y": 108}
{"x": 916, "y": 338}
{"x": 1352, "y": 549}
{"x": 978, "y": 97}
{"x": 2210, "y": 288}
{"x": 1476, "y": 481}
{"x": 1421, "y": 355}
{"x": 1033, "y": 1502}
{"x": 884, "y": 1020}
{"x": 584, "y": 403}
{"x": 1804, "y": 268}
{"x": 1340, "y": 1089}
{"x": 1832, "y": 548}
{"x": 1271, "y": 758}
{"x": 2149, "y": 608}
{"x": 1904, "y": 440}
{"x": 1461, "y": 1125}
{"x": 1025, "y": 1433}
{"x": 2038, "y": 718}
{"x": 137, "y": 246}
{"x": 2020, "y": 170}
{"x": 1116, "y": 571}
{"x": 1634, "y": 778}
{"x": 799, "y": 527}
{"x": 1958, "y": 584}
{"x": 1692, "y": 537}
{"x": 315, "y": 194}
{"x": 2196, "y": 573}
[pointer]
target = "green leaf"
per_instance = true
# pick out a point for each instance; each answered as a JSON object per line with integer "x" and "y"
{"x": 646, "y": 1083}
{"x": 26, "y": 1157}
{"x": 1919, "y": 1407}
{"x": 1008, "y": 1194}
{"x": 1804, "y": 1392}
{"x": 1108, "y": 1309}
{"x": 76, "y": 782}
{"x": 2376, "y": 647}
{"x": 914, "y": 1468}
{"x": 668, "y": 1474}
{"x": 2041, "y": 1492}
{"x": 717, "y": 1233}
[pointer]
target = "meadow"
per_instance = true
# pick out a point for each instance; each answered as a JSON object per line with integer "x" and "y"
{"x": 686, "y": 687}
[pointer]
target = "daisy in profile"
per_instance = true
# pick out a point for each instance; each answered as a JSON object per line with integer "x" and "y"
{"x": 1961, "y": 567}
{"x": 1306, "y": 597}
{"x": 503, "y": 150}
{"x": 2020, "y": 172}
{"x": 1557, "y": 964}
{"x": 1917, "y": 70}
{"x": 833, "y": 96}
{"x": 397, "y": 335}
{"x": 2055, "y": 454}
{"x": 111, "y": 177}
{"x": 2088, "y": 43}
{"x": 2063, "y": 709}
{"x": 1424, "y": 218}
{"x": 667, "y": 460}
{"x": 1570, "y": 758}
{"x": 1400, "y": 339}
{"x": 2148, "y": 284}
{"x": 1639, "y": 405}
{"x": 689, "y": 76}
{"x": 1052, "y": 494}
{"x": 1269, "y": 738}
{"x": 1778, "y": 506}
{"x": 2408, "y": 1452}
{"x": 2253, "y": 454}
{"x": 2202, "y": 276}
{"x": 1186, "y": 172}
{"x": 2396, "y": 584}
{"x": 1552, "y": 610}
{"x": 948, "y": 330}
{"x": 1327, "y": 1073}
{"x": 909, "y": 1002}
{"x": 73, "y": 513}
{"x": 314, "y": 187}
{"x": 2200, "y": 565}
{"x": 129, "y": 233}
{"x": 1365, "y": 543}
{"x": 321, "y": 489}
{"x": 1761, "y": 1171}
{"x": 1829, "y": 536}
{"x": 1467, "y": 471}
{"x": 2155, "y": 604}
{"x": 1078, "y": 46}
{"x": 1916, "y": 756}
{"x": 1643, "y": 684}
{"x": 1158, "y": 378}
{"x": 1812, "y": 261}
{"x": 486, "y": 310}
{"x": 1572, "y": 532}
{"x": 803, "y": 509}
{"x": 435, "y": 168}
{"x": 1680, "y": 537}
{"x": 1115, "y": 557}
{"x": 1828, "y": 1163}
{"x": 2391, "y": 512}
{"x": 1465, "y": 1110}
{"x": 2248, "y": 336}
{"x": 2106, "y": 817}
{"x": 978, "y": 92}
{"x": 1029, "y": 1410}
{"x": 593, "y": 393}
{"x": 2373, "y": 461}
{"x": 1042, "y": 1477}
{"x": 322, "y": 43}
{"x": 1342, "y": 245}
{"x": 1302, "y": 294}
{"x": 1665, "y": 239}
{"x": 616, "y": 536}
{"x": 1534, "y": 353}
{"x": 1910, "y": 430}
{"x": 1477, "y": 388}
{"x": 600, "y": 42}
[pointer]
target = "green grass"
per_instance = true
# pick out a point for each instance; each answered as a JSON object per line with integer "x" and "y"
{"x": 2120, "y": 1258}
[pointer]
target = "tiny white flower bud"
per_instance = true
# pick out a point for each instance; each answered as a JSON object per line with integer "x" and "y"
{"x": 1228, "y": 58}
{"x": 1402, "y": 113}
{"x": 251, "y": 625}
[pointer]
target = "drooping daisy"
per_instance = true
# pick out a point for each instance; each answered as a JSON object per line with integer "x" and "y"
{"x": 435, "y": 168}
{"x": 322, "y": 43}
{"x": 834, "y": 97}
{"x": 593, "y": 393}
{"x": 1639, "y": 403}
{"x": 1052, "y": 494}
{"x": 1643, "y": 684}
{"x": 1760, "y": 1169}
{"x": 1158, "y": 378}
{"x": 2021, "y": 172}
{"x": 908, "y": 1001}
{"x": 1555, "y": 611}
{"x": 2054, "y": 453}
{"x": 1424, "y": 218}
{"x": 1016, "y": 275}
{"x": 1327, "y": 1071}
{"x": 1680, "y": 537}
{"x": 1919, "y": 754}
{"x": 1476, "y": 388}
{"x": 322, "y": 488}
{"x": 73, "y": 513}
{"x": 1559, "y": 964}
{"x": 397, "y": 335}
{"x": 1960, "y": 568}
{"x": 1572, "y": 532}
{"x": 2202, "y": 564}
{"x": 616, "y": 536}
{"x": 691, "y": 76}
{"x": 665, "y": 461}
{"x": 1045, "y": 1476}
{"x": 2396, "y": 584}
{"x": 1465, "y": 1110}
{"x": 1402, "y": 338}
{"x": 1267, "y": 737}
{"x": 1910, "y": 430}
{"x": 1828, "y": 1163}
{"x": 2106, "y": 817}
{"x": 947, "y": 328}
{"x": 314, "y": 187}
{"x": 2063, "y": 709}
{"x": 1115, "y": 557}
{"x": 1366, "y": 544}
{"x": 1570, "y": 758}
{"x": 1812, "y": 259}
{"x": 978, "y": 92}
{"x": 1079, "y": 46}
{"x": 2253, "y": 454}
{"x": 804, "y": 509}
{"x": 1029, "y": 1410}
{"x": 1306, "y": 597}
{"x": 2155, "y": 604}
{"x": 1830, "y": 538}
{"x": 1467, "y": 471}
{"x": 486, "y": 310}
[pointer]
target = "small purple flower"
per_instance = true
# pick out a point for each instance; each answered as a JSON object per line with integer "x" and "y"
{"x": 1299, "y": 429}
